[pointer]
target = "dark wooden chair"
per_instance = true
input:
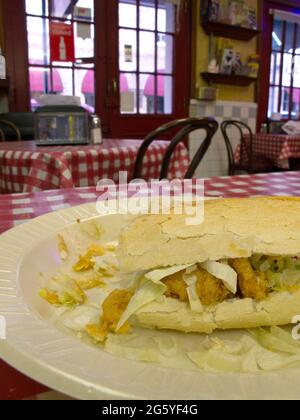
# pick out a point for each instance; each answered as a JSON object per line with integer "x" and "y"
{"x": 8, "y": 125}
{"x": 184, "y": 127}
{"x": 2, "y": 136}
{"x": 247, "y": 163}
{"x": 18, "y": 125}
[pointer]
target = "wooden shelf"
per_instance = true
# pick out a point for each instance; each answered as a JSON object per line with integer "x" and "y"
{"x": 229, "y": 31}
{"x": 228, "y": 79}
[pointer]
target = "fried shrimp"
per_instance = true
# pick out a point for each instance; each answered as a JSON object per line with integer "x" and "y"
{"x": 176, "y": 287}
{"x": 210, "y": 289}
{"x": 251, "y": 284}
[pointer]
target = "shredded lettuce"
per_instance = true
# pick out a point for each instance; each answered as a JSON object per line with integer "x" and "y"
{"x": 216, "y": 361}
{"x": 277, "y": 342}
{"x": 92, "y": 228}
{"x": 147, "y": 293}
{"x": 281, "y": 273}
{"x": 164, "y": 348}
{"x": 264, "y": 350}
{"x": 223, "y": 272}
{"x": 158, "y": 275}
{"x": 81, "y": 316}
{"x": 124, "y": 346}
{"x": 106, "y": 264}
{"x": 194, "y": 300}
{"x": 63, "y": 290}
{"x": 63, "y": 248}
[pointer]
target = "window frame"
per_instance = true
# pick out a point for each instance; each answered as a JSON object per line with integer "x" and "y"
{"x": 156, "y": 73}
{"x": 106, "y": 68}
{"x": 266, "y": 52}
{"x": 51, "y": 66}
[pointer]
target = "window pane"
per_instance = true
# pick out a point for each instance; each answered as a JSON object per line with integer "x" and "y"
{"x": 84, "y": 40}
{"x": 127, "y": 50}
{"x": 85, "y": 88}
{"x": 37, "y": 7}
{"x": 165, "y": 94}
{"x": 148, "y": 16}
{"x": 166, "y": 16}
{"x": 147, "y": 93}
{"x": 165, "y": 53}
{"x": 273, "y": 101}
{"x": 66, "y": 79}
{"x": 128, "y": 93}
{"x": 147, "y": 51}
{"x": 297, "y": 51}
{"x": 62, "y": 9}
{"x": 287, "y": 69}
{"x": 297, "y": 71}
{"x": 38, "y": 40}
{"x": 275, "y": 68}
{"x": 277, "y": 35}
{"x": 296, "y": 104}
{"x": 84, "y": 10}
{"x": 285, "y": 102}
{"x": 289, "y": 37}
{"x": 127, "y": 15}
{"x": 40, "y": 83}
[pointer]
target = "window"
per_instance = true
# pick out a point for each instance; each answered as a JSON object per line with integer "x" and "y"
{"x": 146, "y": 51}
{"x": 61, "y": 78}
{"x": 132, "y": 59}
{"x": 284, "y": 80}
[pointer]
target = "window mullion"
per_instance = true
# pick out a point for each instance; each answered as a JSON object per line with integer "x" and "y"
{"x": 156, "y": 60}
{"x": 284, "y": 29}
{"x": 138, "y": 56}
{"x": 292, "y": 71}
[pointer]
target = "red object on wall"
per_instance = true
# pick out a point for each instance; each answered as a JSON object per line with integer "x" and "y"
{"x": 62, "y": 47}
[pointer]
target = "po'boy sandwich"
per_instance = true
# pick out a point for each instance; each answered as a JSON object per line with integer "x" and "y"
{"x": 240, "y": 268}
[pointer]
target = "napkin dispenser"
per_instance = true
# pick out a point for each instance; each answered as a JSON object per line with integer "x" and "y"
{"x": 62, "y": 128}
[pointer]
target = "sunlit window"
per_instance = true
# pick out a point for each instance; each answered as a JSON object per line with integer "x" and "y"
{"x": 146, "y": 52}
{"x": 284, "y": 92}
{"x": 61, "y": 78}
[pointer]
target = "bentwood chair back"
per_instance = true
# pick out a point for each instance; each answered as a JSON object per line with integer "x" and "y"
{"x": 247, "y": 163}
{"x": 184, "y": 127}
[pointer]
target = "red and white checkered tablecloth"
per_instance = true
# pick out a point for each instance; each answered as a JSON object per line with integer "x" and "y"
{"x": 24, "y": 167}
{"x": 277, "y": 148}
{"x": 18, "y": 208}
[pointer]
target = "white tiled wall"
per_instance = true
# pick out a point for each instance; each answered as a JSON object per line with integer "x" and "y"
{"x": 215, "y": 162}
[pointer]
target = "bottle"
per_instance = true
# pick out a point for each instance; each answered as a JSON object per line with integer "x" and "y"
{"x": 62, "y": 49}
{"x": 2, "y": 66}
{"x": 96, "y": 131}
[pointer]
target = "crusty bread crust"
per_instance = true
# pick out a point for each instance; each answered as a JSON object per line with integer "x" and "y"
{"x": 278, "y": 309}
{"x": 232, "y": 228}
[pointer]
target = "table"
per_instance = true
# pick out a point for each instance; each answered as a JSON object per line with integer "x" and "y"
{"x": 17, "y": 208}
{"x": 277, "y": 148}
{"x": 25, "y": 167}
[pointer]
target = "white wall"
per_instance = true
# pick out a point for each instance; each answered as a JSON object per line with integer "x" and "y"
{"x": 215, "y": 162}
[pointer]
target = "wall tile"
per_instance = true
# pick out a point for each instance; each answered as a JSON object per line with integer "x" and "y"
{"x": 215, "y": 163}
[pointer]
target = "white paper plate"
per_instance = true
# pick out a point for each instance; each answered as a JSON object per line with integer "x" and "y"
{"x": 62, "y": 362}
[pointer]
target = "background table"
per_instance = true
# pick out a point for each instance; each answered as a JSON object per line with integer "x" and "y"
{"x": 24, "y": 167}
{"x": 17, "y": 208}
{"x": 275, "y": 148}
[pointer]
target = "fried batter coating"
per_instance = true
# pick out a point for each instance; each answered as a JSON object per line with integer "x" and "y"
{"x": 251, "y": 284}
{"x": 113, "y": 308}
{"x": 210, "y": 289}
{"x": 176, "y": 287}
